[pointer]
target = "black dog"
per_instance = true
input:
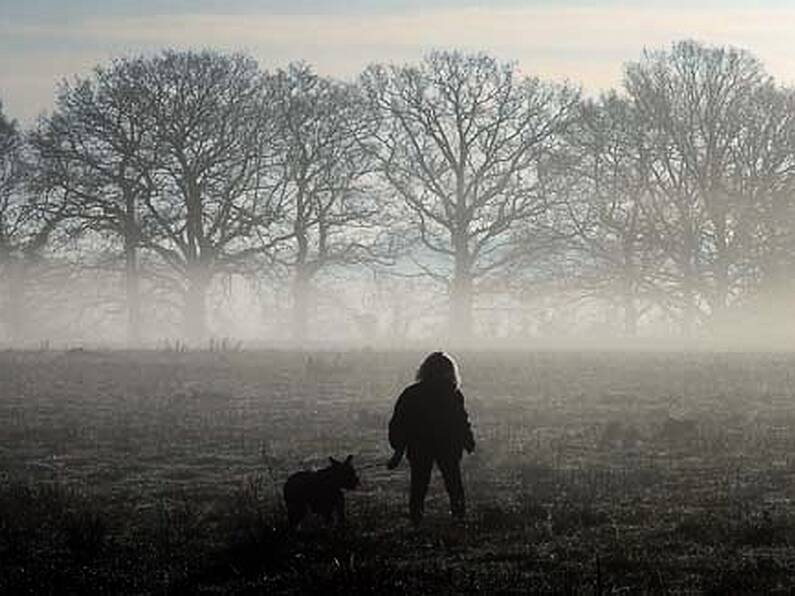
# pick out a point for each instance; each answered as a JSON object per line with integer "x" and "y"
{"x": 320, "y": 491}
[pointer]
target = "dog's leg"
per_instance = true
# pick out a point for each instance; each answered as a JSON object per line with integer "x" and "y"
{"x": 339, "y": 506}
{"x": 295, "y": 513}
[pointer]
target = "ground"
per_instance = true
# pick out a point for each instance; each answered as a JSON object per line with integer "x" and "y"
{"x": 141, "y": 472}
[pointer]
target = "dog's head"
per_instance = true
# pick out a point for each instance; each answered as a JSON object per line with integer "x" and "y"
{"x": 344, "y": 472}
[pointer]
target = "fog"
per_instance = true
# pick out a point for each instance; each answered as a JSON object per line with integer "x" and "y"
{"x": 393, "y": 313}
{"x": 214, "y": 277}
{"x": 454, "y": 201}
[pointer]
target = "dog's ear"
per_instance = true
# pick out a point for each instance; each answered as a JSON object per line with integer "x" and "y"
{"x": 333, "y": 461}
{"x": 348, "y": 459}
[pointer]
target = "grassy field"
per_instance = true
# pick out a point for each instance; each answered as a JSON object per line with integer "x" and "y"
{"x": 594, "y": 472}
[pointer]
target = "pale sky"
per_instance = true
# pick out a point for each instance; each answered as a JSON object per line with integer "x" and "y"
{"x": 584, "y": 41}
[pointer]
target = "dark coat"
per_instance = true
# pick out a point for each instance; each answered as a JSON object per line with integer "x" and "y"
{"x": 430, "y": 419}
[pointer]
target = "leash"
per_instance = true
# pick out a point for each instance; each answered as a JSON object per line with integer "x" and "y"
{"x": 371, "y": 465}
{"x": 370, "y": 462}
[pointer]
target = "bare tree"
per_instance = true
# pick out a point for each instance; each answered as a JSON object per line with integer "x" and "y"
{"x": 695, "y": 101}
{"x": 95, "y": 150}
{"x": 459, "y": 141}
{"x": 763, "y": 160}
{"x": 26, "y": 226}
{"x": 607, "y": 177}
{"x": 323, "y": 183}
{"x": 763, "y": 169}
{"x": 211, "y": 121}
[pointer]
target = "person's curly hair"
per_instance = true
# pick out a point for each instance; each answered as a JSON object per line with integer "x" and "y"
{"x": 439, "y": 366}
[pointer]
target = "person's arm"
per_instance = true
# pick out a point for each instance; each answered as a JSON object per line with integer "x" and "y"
{"x": 397, "y": 425}
{"x": 465, "y": 428}
{"x": 394, "y": 461}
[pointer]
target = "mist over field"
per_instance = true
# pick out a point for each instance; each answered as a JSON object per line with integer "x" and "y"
{"x": 221, "y": 273}
{"x": 193, "y": 196}
{"x": 150, "y": 471}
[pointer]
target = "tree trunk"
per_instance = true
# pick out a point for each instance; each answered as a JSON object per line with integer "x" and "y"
{"x": 131, "y": 277}
{"x": 195, "y": 315}
{"x": 16, "y": 319}
{"x": 630, "y": 275}
{"x": 720, "y": 295}
{"x": 690, "y": 314}
{"x": 301, "y": 299}
{"x": 630, "y": 315}
{"x": 196, "y": 256}
{"x": 720, "y": 303}
{"x": 690, "y": 282}
{"x": 132, "y": 294}
{"x": 461, "y": 301}
{"x": 629, "y": 306}
{"x": 461, "y": 298}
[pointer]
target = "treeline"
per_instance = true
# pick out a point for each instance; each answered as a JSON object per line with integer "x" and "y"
{"x": 665, "y": 205}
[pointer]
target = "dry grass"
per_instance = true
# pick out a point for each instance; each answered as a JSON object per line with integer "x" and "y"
{"x": 142, "y": 472}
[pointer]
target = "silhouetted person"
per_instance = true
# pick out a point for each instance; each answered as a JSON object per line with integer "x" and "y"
{"x": 431, "y": 424}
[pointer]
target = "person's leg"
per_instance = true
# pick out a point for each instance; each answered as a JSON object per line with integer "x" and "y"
{"x": 451, "y": 472}
{"x": 420, "y": 477}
